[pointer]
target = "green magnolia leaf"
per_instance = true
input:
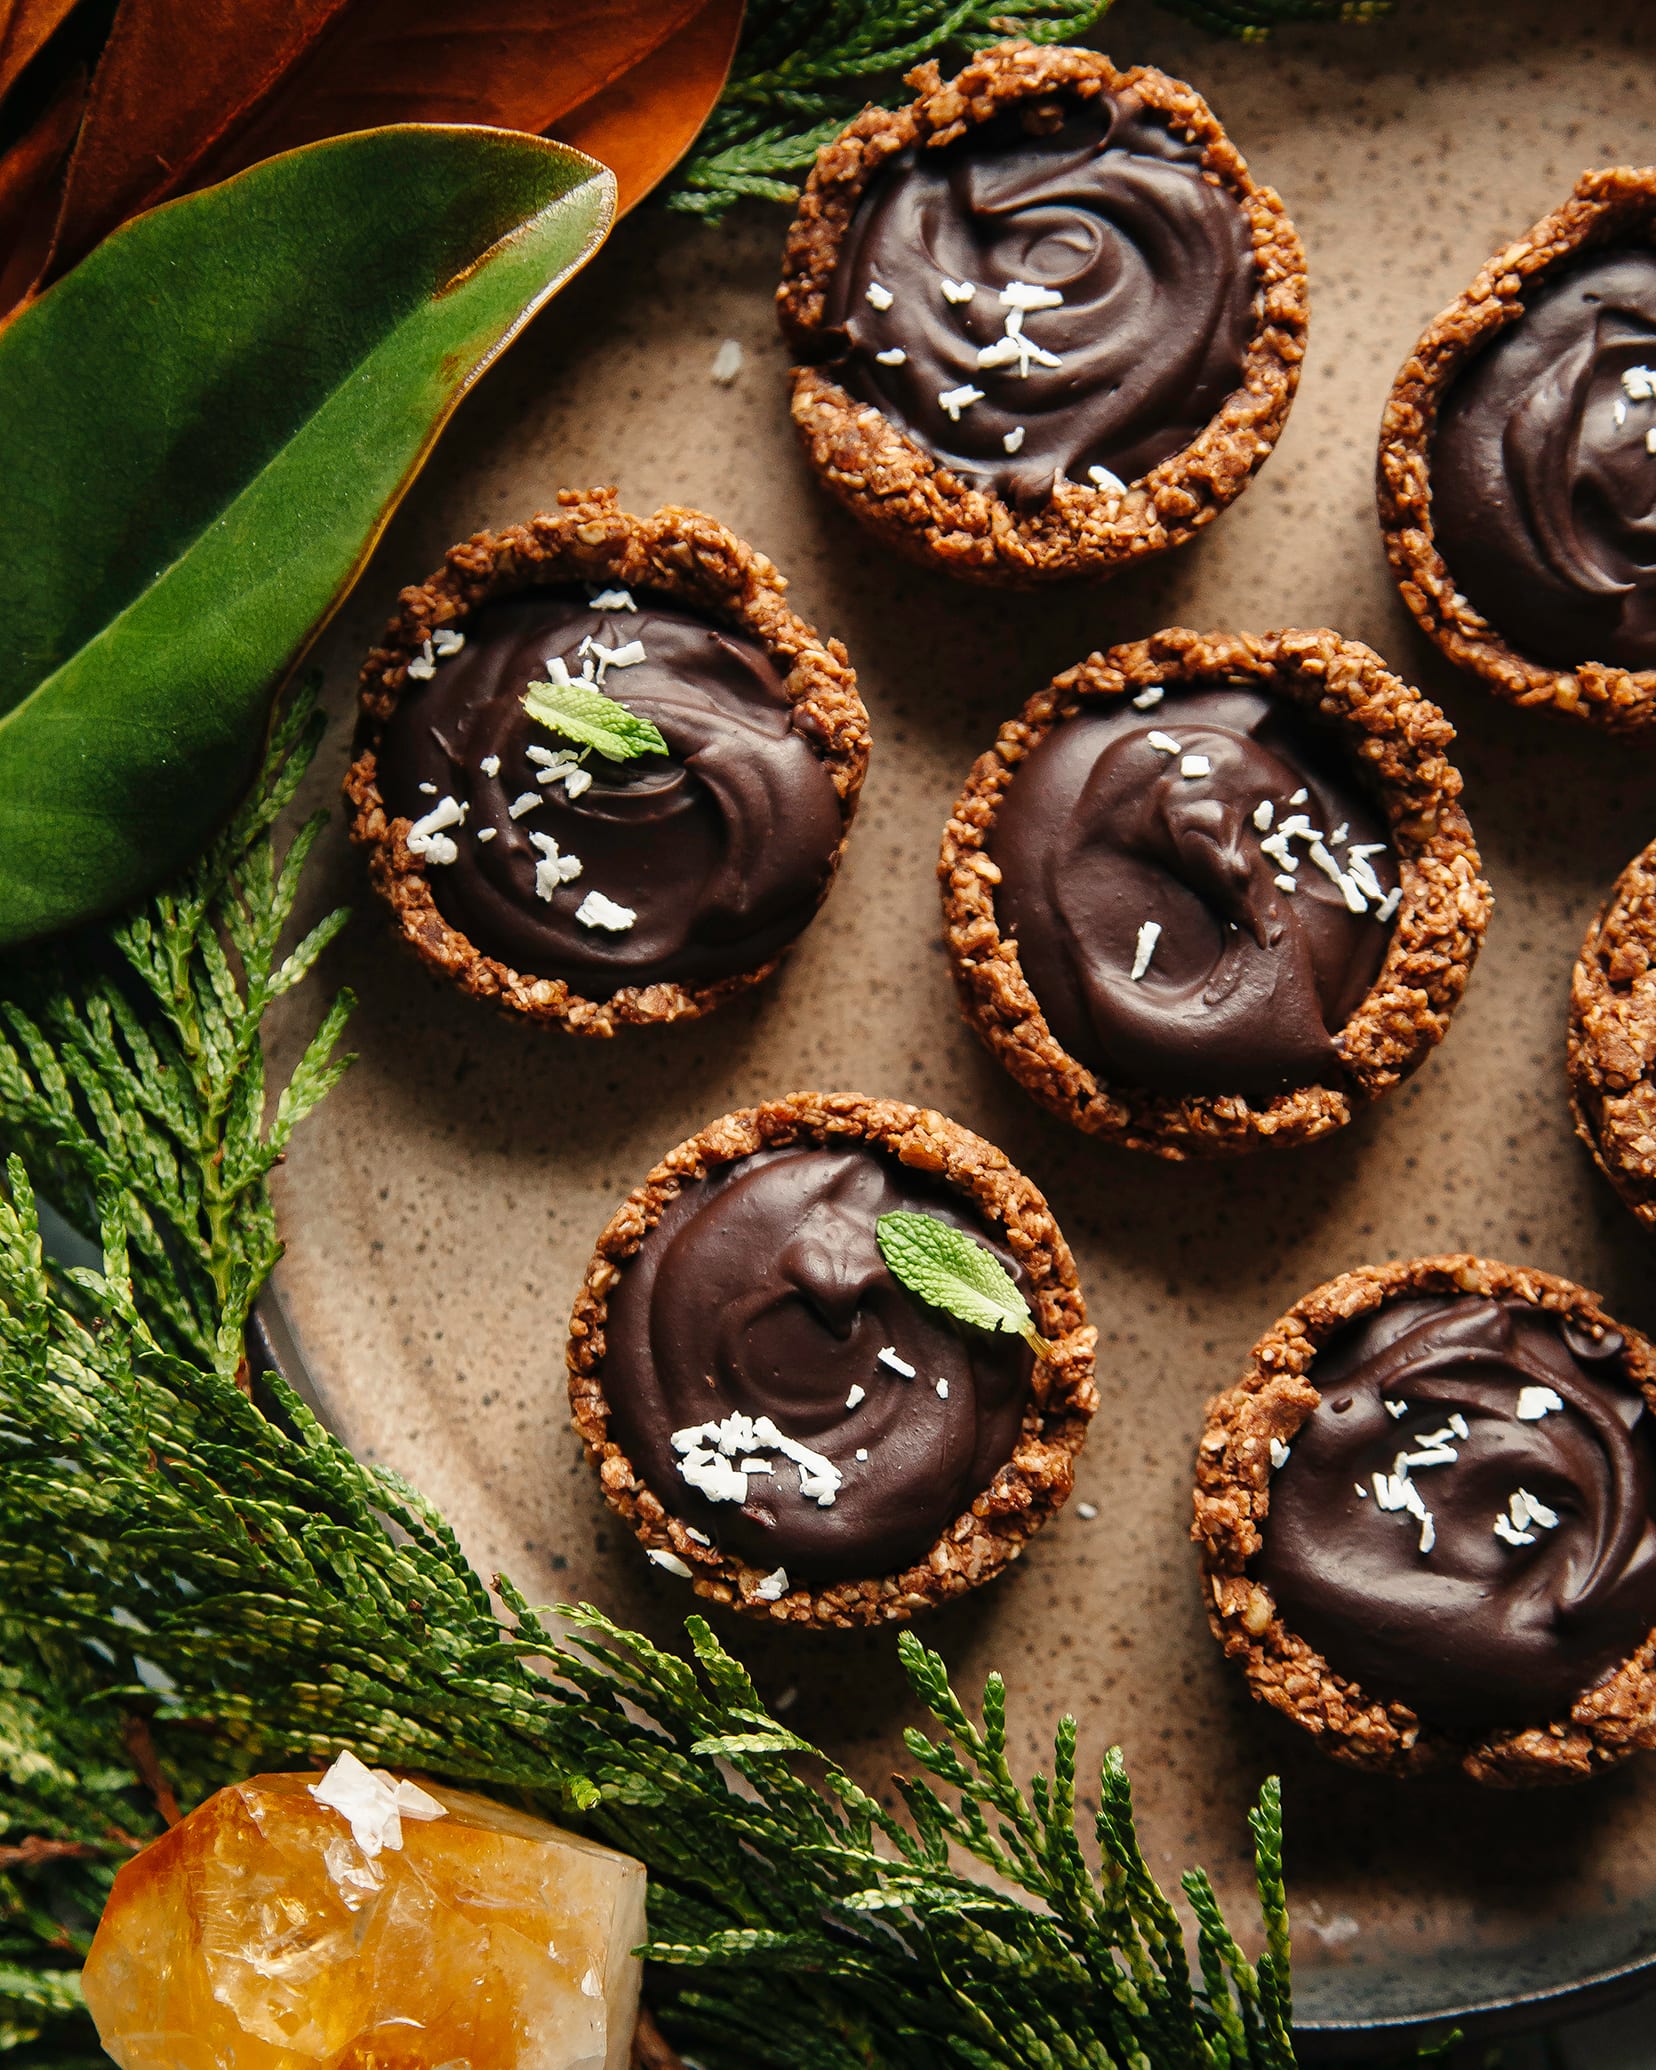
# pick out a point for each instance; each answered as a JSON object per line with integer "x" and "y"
{"x": 948, "y": 1270}
{"x": 203, "y": 430}
{"x": 580, "y": 711}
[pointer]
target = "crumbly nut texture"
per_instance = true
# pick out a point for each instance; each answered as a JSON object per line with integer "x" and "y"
{"x": 1614, "y": 207}
{"x": 1233, "y": 1499}
{"x": 897, "y": 488}
{"x": 1612, "y": 1040}
{"x": 1398, "y": 737}
{"x": 589, "y": 538}
{"x": 1035, "y": 1481}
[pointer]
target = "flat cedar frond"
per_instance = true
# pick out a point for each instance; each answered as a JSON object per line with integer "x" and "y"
{"x": 804, "y": 68}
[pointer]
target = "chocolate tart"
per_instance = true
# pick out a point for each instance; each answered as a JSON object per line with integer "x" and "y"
{"x": 1211, "y": 891}
{"x": 585, "y": 891}
{"x": 1516, "y": 463}
{"x": 908, "y": 1457}
{"x": 1060, "y": 192}
{"x": 1487, "y": 1601}
{"x": 1612, "y": 1041}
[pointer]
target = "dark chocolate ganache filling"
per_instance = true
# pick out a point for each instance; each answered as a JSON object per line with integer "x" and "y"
{"x": 1544, "y": 469}
{"x": 1201, "y": 892}
{"x": 1030, "y": 305}
{"x": 719, "y": 851}
{"x": 761, "y": 1292}
{"x": 1465, "y": 1524}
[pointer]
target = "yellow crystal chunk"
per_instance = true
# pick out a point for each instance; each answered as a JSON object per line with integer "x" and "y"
{"x": 260, "y": 1935}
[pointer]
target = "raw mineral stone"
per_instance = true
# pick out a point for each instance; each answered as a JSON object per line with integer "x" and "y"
{"x": 355, "y": 1922}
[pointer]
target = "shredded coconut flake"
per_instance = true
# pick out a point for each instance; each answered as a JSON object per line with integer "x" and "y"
{"x": 1263, "y": 813}
{"x": 1284, "y": 882}
{"x": 958, "y": 290}
{"x": 490, "y": 765}
{"x": 1013, "y": 439}
{"x": 1396, "y": 1409}
{"x": 943, "y": 1390}
{"x": 953, "y": 400}
{"x": 727, "y": 363}
{"x": 1021, "y": 294}
{"x": 446, "y": 641}
{"x": 597, "y": 911}
{"x": 670, "y": 1561}
{"x": 525, "y": 801}
{"x": 1102, "y": 478}
{"x": 1147, "y": 700}
{"x": 1536, "y": 1402}
{"x": 879, "y": 297}
{"x": 1279, "y": 1453}
{"x": 1163, "y": 743}
{"x": 773, "y": 1587}
{"x": 1196, "y": 765}
{"x": 1389, "y": 904}
{"x": 1086, "y": 1511}
{"x": 857, "y": 1394}
{"x": 613, "y": 600}
{"x": 1300, "y": 797}
{"x": 485, "y": 833}
{"x": 1145, "y": 947}
{"x": 893, "y": 356}
{"x": 887, "y": 1355}
{"x": 427, "y": 838}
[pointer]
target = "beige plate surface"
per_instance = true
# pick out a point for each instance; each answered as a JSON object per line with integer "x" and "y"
{"x": 439, "y": 1212}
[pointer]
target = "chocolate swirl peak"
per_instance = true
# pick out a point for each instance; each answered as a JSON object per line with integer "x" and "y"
{"x": 1030, "y": 301}
{"x": 720, "y": 850}
{"x": 1467, "y": 1522}
{"x": 1544, "y": 470}
{"x": 1201, "y": 892}
{"x": 761, "y": 1294}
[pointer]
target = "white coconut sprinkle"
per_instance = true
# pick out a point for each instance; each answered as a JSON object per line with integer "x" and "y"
{"x": 1536, "y": 1402}
{"x": 612, "y": 600}
{"x": 1459, "y": 1425}
{"x": 597, "y": 911}
{"x": 1300, "y": 797}
{"x": 887, "y": 1355}
{"x": 1086, "y": 1511}
{"x": 773, "y": 1587}
{"x": 490, "y": 765}
{"x": 1021, "y": 294}
{"x": 1145, "y": 947}
{"x": 1396, "y": 1409}
{"x": 1526, "y": 1510}
{"x": 1428, "y": 1533}
{"x": 1195, "y": 765}
{"x": 943, "y": 1390}
{"x": 1640, "y": 383}
{"x": 525, "y": 801}
{"x": 1361, "y": 1490}
{"x": 1163, "y": 743}
{"x": 1263, "y": 813}
{"x": 953, "y": 400}
{"x": 1389, "y": 904}
{"x": 1431, "y": 1455}
{"x": 427, "y": 838}
{"x": 893, "y": 356}
{"x": 1504, "y": 1528}
{"x": 958, "y": 290}
{"x": 1102, "y": 478}
{"x": 1284, "y": 882}
{"x": 670, "y": 1561}
{"x": 553, "y": 869}
{"x": 1279, "y": 1454}
{"x": 1147, "y": 700}
{"x": 862, "y": 1452}
{"x": 1339, "y": 834}
{"x": 857, "y": 1394}
{"x": 879, "y": 297}
{"x": 423, "y": 667}
{"x": 430, "y": 789}
{"x": 1013, "y": 439}
{"x": 1650, "y": 439}
{"x": 485, "y": 833}
{"x": 1619, "y": 411}
{"x": 706, "y": 1452}
{"x": 446, "y": 641}
{"x": 1276, "y": 847}
{"x": 727, "y": 363}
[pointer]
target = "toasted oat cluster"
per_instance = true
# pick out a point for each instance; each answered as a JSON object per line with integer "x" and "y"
{"x": 1015, "y": 430}
{"x": 815, "y": 1505}
{"x": 1214, "y": 1030}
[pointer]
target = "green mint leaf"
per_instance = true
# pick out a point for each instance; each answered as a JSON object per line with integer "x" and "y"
{"x": 948, "y": 1270}
{"x": 582, "y": 713}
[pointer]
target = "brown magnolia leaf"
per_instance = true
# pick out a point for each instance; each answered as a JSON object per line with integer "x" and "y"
{"x": 642, "y": 125}
{"x": 25, "y": 26}
{"x": 176, "y": 78}
{"x": 31, "y": 178}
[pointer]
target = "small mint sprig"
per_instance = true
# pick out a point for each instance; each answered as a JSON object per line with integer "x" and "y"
{"x": 949, "y": 1271}
{"x": 582, "y": 713}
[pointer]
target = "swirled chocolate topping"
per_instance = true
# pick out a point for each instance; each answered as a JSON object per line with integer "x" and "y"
{"x": 1201, "y": 893}
{"x": 1027, "y": 304}
{"x": 1466, "y": 1523}
{"x": 761, "y": 1292}
{"x": 719, "y": 850}
{"x": 1544, "y": 470}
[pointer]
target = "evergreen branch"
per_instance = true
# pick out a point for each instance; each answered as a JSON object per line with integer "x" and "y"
{"x": 804, "y": 68}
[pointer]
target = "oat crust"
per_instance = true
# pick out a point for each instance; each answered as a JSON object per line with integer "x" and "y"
{"x": 589, "y": 538}
{"x": 1616, "y": 206}
{"x": 1612, "y": 1041}
{"x": 1233, "y": 1497}
{"x": 1400, "y": 738}
{"x": 1034, "y": 1483}
{"x": 893, "y": 484}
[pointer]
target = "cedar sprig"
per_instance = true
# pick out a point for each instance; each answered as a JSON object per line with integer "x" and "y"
{"x": 803, "y": 69}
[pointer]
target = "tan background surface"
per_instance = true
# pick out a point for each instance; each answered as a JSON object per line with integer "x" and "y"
{"x": 440, "y": 1210}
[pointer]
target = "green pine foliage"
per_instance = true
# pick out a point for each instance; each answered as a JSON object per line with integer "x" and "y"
{"x": 805, "y": 67}
{"x": 197, "y": 1579}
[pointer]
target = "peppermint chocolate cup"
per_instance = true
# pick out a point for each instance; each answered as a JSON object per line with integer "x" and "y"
{"x": 1612, "y": 1039}
{"x": 1506, "y": 1561}
{"x": 780, "y": 1421}
{"x": 595, "y": 891}
{"x": 1525, "y": 536}
{"x": 1299, "y": 968}
{"x": 1170, "y": 315}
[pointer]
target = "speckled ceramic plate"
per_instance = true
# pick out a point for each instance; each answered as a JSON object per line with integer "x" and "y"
{"x": 439, "y": 1211}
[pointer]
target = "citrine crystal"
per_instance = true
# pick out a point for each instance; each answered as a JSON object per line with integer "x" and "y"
{"x": 355, "y": 1923}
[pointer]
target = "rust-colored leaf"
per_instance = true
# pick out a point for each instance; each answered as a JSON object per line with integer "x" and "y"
{"x": 25, "y": 26}
{"x": 31, "y": 178}
{"x": 642, "y": 124}
{"x": 176, "y": 79}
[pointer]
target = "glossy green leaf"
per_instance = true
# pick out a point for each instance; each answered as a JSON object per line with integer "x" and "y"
{"x": 203, "y": 429}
